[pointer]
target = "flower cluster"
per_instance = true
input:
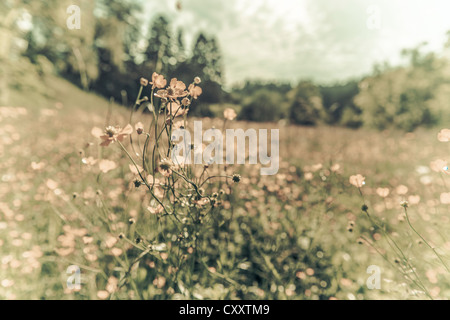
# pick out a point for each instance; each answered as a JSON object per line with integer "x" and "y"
{"x": 176, "y": 97}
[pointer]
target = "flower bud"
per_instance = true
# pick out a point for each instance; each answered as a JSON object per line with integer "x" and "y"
{"x": 144, "y": 82}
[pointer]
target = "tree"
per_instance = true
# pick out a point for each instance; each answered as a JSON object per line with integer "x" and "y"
{"x": 206, "y": 62}
{"x": 116, "y": 35}
{"x": 306, "y": 107}
{"x": 159, "y": 54}
{"x": 406, "y": 97}
{"x": 263, "y": 106}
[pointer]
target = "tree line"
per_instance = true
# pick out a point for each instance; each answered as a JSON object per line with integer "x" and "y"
{"x": 111, "y": 52}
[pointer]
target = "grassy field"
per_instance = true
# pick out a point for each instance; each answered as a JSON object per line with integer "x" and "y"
{"x": 300, "y": 234}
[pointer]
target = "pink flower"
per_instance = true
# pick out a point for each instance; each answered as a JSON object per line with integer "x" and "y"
{"x": 107, "y": 165}
{"x": 113, "y": 134}
{"x": 438, "y": 165}
{"x": 383, "y": 192}
{"x": 444, "y": 135}
{"x": 158, "y": 81}
{"x": 229, "y": 114}
{"x": 195, "y": 91}
{"x": 357, "y": 180}
{"x": 176, "y": 109}
{"x": 176, "y": 89}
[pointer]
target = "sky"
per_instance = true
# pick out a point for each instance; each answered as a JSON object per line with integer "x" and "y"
{"x": 326, "y": 41}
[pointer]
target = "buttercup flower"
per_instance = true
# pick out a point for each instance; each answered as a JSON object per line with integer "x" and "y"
{"x": 438, "y": 165}
{"x": 195, "y": 91}
{"x": 107, "y": 165}
{"x": 402, "y": 189}
{"x": 357, "y": 180}
{"x": 156, "y": 210}
{"x": 158, "y": 81}
{"x": 113, "y": 134}
{"x": 444, "y": 135}
{"x": 445, "y": 198}
{"x": 185, "y": 102}
{"x": 229, "y": 114}
{"x": 144, "y": 82}
{"x": 383, "y": 192}
{"x": 165, "y": 167}
{"x": 176, "y": 89}
{"x": 176, "y": 109}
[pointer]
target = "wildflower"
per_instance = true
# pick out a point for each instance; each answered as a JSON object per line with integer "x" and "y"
{"x": 383, "y": 192}
{"x": 37, "y": 166}
{"x": 414, "y": 199}
{"x": 165, "y": 167}
{"x": 158, "y": 81}
{"x": 195, "y": 91}
{"x": 197, "y": 80}
{"x": 357, "y": 180}
{"x": 229, "y": 114}
{"x": 102, "y": 294}
{"x": 155, "y": 210}
{"x": 444, "y": 135}
{"x": 185, "y": 102}
{"x": 131, "y": 221}
{"x": 113, "y": 134}
{"x": 364, "y": 208}
{"x": 335, "y": 167}
{"x": 236, "y": 178}
{"x": 404, "y": 204}
{"x": 177, "y": 110}
{"x": 176, "y": 89}
{"x": 107, "y": 165}
{"x": 178, "y": 125}
{"x": 139, "y": 127}
{"x": 136, "y": 169}
{"x": 144, "y": 82}
{"x": 438, "y": 165}
{"x": 308, "y": 176}
{"x": 445, "y": 198}
{"x": 90, "y": 161}
{"x": 401, "y": 189}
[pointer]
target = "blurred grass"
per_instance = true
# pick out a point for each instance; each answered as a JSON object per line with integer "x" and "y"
{"x": 279, "y": 237}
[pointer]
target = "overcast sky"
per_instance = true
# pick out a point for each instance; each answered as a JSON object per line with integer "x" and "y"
{"x": 320, "y": 40}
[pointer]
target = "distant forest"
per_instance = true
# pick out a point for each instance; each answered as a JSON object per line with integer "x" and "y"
{"x": 110, "y": 54}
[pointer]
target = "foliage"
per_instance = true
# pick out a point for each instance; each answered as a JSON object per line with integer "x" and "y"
{"x": 306, "y": 106}
{"x": 263, "y": 106}
{"x": 405, "y": 97}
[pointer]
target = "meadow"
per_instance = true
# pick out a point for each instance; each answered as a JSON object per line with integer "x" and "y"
{"x": 308, "y": 232}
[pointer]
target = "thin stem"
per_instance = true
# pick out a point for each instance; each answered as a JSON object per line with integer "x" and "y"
{"x": 425, "y": 241}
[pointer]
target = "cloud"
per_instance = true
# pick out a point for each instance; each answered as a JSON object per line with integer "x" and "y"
{"x": 322, "y": 40}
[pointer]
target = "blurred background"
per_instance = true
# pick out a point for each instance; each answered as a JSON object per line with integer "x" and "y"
{"x": 358, "y": 63}
{"x": 354, "y": 86}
